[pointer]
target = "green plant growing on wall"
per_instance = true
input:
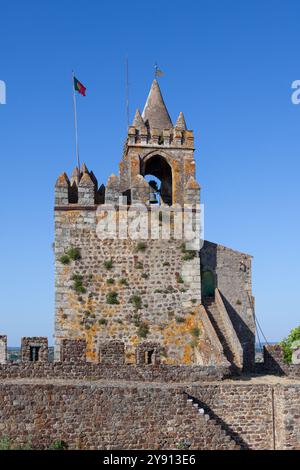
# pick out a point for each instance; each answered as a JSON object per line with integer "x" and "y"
{"x": 195, "y": 332}
{"x": 180, "y": 279}
{"x": 139, "y": 265}
{"x": 180, "y": 319}
{"x": 64, "y": 259}
{"x": 108, "y": 264}
{"x": 187, "y": 254}
{"x": 166, "y": 263}
{"x": 145, "y": 275}
{"x": 123, "y": 282}
{"x": 74, "y": 253}
{"x": 136, "y": 300}
{"x": 59, "y": 445}
{"x": 136, "y": 319}
{"x": 141, "y": 246}
{"x": 102, "y": 321}
{"x": 78, "y": 284}
{"x": 287, "y": 344}
{"x": 238, "y": 302}
{"x": 5, "y": 443}
{"x": 143, "y": 330}
{"x": 110, "y": 281}
{"x": 112, "y": 298}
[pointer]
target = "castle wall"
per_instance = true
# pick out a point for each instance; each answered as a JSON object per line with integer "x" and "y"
{"x": 232, "y": 271}
{"x": 287, "y": 419}
{"x": 274, "y": 362}
{"x": 101, "y": 416}
{"x": 245, "y": 410}
{"x": 129, "y": 293}
{"x": 105, "y": 417}
{"x": 108, "y": 371}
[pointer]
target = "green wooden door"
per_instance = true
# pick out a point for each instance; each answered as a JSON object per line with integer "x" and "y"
{"x": 208, "y": 284}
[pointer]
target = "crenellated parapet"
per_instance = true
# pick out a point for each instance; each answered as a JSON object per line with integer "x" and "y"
{"x": 140, "y": 134}
{"x": 81, "y": 189}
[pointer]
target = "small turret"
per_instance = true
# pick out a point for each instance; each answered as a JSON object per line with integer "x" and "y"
{"x": 138, "y": 120}
{"x": 180, "y": 123}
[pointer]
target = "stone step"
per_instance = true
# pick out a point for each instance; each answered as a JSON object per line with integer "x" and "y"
{"x": 227, "y": 438}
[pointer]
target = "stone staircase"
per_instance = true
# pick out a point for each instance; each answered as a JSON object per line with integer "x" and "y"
{"x": 222, "y": 439}
{"x": 218, "y": 324}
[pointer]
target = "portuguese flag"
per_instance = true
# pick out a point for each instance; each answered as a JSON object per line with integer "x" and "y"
{"x": 79, "y": 87}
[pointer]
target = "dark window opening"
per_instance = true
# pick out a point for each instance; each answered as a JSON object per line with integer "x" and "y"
{"x": 149, "y": 356}
{"x": 34, "y": 353}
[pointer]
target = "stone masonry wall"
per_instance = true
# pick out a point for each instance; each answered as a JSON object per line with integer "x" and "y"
{"x": 129, "y": 372}
{"x": 128, "y": 293}
{"x": 245, "y": 410}
{"x": 232, "y": 271}
{"x": 287, "y": 415}
{"x": 39, "y": 343}
{"x": 274, "y": 362}
{"x": 102, "y": 417}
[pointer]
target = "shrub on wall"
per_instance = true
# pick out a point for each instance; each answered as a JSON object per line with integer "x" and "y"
{"x": 64, "y": 259}
{"x": 143, "y": 330}
{"x": 136, "y": 300}
{"x": 287, "y": 344}
{"x": 74, "y": 253}
{"x": 141, "y": 246}
{"x": 112, "y": 298}
{"x": 108, "y": 264}
{"x": 78, "y": 284}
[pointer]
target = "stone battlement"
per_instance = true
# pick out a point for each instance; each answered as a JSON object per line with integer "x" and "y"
{"x": 112, "y": 354}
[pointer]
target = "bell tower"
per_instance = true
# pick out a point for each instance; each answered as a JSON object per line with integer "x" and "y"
{"x": 154, "y": 146}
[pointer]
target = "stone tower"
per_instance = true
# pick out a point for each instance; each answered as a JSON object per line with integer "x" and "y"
{"x": 139, "y": 297}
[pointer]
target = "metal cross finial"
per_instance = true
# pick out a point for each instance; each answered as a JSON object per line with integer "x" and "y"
{"x": 157, "y": 71}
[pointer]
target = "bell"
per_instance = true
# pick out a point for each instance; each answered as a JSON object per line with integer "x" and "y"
{"x": 153, "y": 198}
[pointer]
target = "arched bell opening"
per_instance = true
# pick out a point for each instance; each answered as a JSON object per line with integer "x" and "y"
{"x": 158, "y": 173}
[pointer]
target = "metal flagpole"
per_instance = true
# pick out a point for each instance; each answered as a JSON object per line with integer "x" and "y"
{"x": 127, "y": 92}
{"x": 127, "y": 112}
{"x": 76, "y": 130}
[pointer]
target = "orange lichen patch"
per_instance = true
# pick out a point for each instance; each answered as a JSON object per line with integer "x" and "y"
{"x": 70, "y": 217}
{"x": 192, "y": 184}
{"x": 176, "y": 182}
{"x": 90, "y": 337}
{"x": 189, "y": 168}
{"x": 134, "y": 340}
{"x": 62, "y": 180}
{"x": 188, "y": 354}
{"x": 180, "y": 334}
{"x": 66, "y": 270}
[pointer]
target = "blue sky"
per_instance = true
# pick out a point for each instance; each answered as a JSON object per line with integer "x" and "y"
{"x": 228, "y": 66}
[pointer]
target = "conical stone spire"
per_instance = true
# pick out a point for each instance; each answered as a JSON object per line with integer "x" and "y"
{"x": 180, "y": 123}
{"x": 138, "y": 121}
{"x": 155, "y": 111}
